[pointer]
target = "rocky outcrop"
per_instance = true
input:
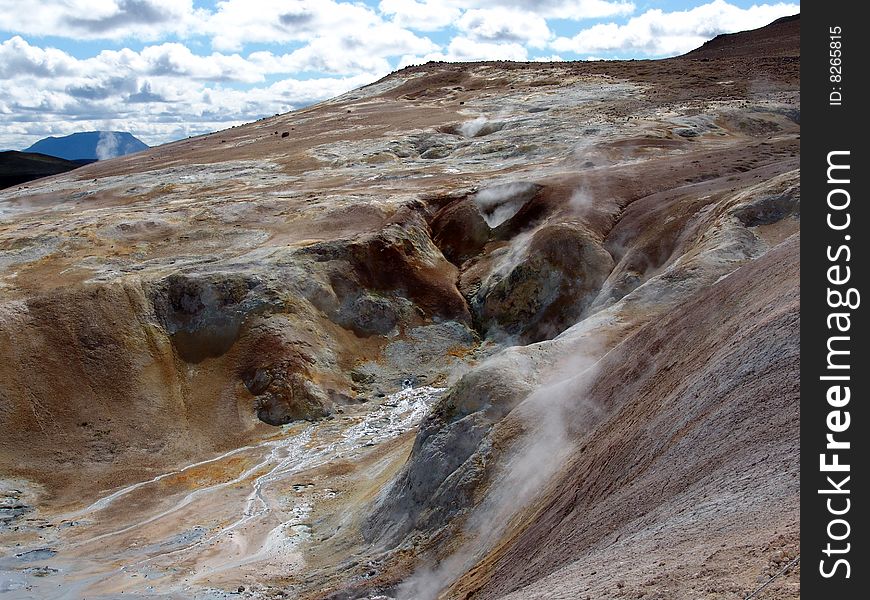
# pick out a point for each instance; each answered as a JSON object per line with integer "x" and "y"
{"x": 766, "y": 210}
{"x": 540, "y": 284}
{"x": 376, "y": 278}
{"x": 229, "y": 345}
{"x": 116, "y": 392}
{"x": 706, "y": 245}
{"x": 449, "y": 459}
{"x": 460, "y": 231}
{"x": 280, "y": 368}
{"x": 203, "y": 314}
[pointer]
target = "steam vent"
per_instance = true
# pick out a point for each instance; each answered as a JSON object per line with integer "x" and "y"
{"x": 475, "y": 331}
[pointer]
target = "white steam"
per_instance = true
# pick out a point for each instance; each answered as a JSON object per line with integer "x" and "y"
{"x": 480, "y": 126}
{"x": 109, "y": 145}
{"x": 499, "y": 203}
{"x": 550, "y": 414}
{"x": 581, "y": 201}
{"x": 474, "y": 127}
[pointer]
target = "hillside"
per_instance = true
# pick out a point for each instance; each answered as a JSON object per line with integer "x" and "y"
{"x": 20, "y": 167}
{"x": 486, "y": 330}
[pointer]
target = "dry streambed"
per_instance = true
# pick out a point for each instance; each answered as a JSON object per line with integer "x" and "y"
{"x": 207, "y": 528}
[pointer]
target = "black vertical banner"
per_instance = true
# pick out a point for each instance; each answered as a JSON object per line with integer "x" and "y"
{"x": 835, "y": 225}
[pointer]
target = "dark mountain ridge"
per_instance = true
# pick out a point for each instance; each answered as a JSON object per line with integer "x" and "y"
{"x": 20, "y": 167}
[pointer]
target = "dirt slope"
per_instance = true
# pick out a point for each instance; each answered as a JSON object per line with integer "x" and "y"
{"x": 688, "y": 485}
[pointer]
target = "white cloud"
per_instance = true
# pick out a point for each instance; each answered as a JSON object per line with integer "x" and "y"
{"x": 17, "y": 58}
{"x": 556, "y": 9}
{"x": 323, "y": 56}
{"x": 505, "y": 25}
{"x": 339, "y": 37}
{"x": 657, "y": 33}
{"x": 364, "y": 51}
{"x": 174, "y": 59}
{"x": 230, "y": 26}
{"x": 99, "y": 19}
{"x": 160, "y": 93}
{"x": 429, "y": 15}
{"x": 237, "y": 22}
{"x": 465, "y": 49}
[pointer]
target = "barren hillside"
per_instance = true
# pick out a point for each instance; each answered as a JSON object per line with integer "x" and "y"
{"x": 485, "y": 330}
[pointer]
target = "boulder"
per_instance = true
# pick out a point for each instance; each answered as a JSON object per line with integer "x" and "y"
{"x": 541, "y": 283}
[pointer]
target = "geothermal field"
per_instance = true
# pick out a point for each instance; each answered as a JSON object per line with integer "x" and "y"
{"x": 474, "y": 331}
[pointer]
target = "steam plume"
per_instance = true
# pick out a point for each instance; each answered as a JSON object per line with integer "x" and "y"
{"x": 553, "y": 412}
{"x": 108, "y": 146}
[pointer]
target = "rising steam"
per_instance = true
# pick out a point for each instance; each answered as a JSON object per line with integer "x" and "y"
{"x": 480, "y": 126}
{"x": 109, "y": 145}
{"x": 551, "y": 414}
{"x": 498, "y": 203}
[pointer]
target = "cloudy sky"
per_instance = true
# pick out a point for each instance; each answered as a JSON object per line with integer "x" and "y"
{"x": 167, "y": 69}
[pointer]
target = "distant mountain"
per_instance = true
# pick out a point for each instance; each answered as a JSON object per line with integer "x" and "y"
{"x": 91, "y": 145}
{"x": 20, "y": 167}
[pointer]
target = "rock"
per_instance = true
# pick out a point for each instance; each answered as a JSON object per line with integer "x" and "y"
{"x": 769, "y": 209}
{"x": 278, "y": 369}
{"x": 257, "y": 381}
{"x": 541, "y": 284}
{"x": 204, "y": 313}
{"x": 369, "y": 314}
{"x": 460, "y": 231}
{"x": 436, "y": 152}
{"x": 12, "y": 507}
{"x": 397, "y": 264}
{"x": 437, "y": 346}
{"x": 360, "y": 376}
{"x": 36, "y": 554}
{"x": 41, "y": 571}
{"x": 448, "y": 461}
{"x": 291, "y": 397}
